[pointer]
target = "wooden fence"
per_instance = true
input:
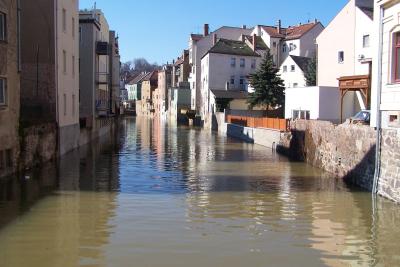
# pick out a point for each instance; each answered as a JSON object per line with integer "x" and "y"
{"x": 276, "y": 124}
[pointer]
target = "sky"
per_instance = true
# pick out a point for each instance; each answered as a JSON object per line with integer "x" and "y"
{"x": 159, "y": 30}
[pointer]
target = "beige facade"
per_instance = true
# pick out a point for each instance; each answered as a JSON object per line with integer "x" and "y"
{"x": 9, "y": 87}
{"x": 149, "y": 84}
{"x": 50, "y": 71}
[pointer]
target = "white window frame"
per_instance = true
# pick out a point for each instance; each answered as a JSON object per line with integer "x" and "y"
{"x": 3, "y": 88}
{"x": 3, "y": 30}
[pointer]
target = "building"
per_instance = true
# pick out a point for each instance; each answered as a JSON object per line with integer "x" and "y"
{"x": 293, "y": 71}
{"x": 115, "y": 69}
{"x": 9, "y": 85}
{"x": 164, "y": 83}
{"x": 134, "y": 91}
{"x": 296, "y": 40}
{"x": 149, "y": 84}
{"x": 181, "y": 69}
{"x": 96, "y": 79}
{"x": 226, "y": 67}
{"x": 199, "y": 44}
{"x": 49, "y": 60}
{"x": 344, "y": 51}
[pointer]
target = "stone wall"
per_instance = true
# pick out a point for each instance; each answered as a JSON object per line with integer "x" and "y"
{"x": 347, "y": 151}
{"x": 38, "y": 145}
{"x": 389, "y": 181}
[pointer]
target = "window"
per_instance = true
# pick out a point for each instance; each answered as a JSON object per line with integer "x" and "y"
{"x": 241, "y": 80}
{"x": 64, "y": 61}
{"x": 284, "y": 68}
{"x": 366, "y": 41}
{"x": 242, "y": 63}
{"x": 232, "y": 80}
{"x": 73, "y": 28}
{"x": 3, "y": 28}
{"x": 396, "y": 60}
{"x": 253, "y": 63}
{"x": 3, "y": 92}
{"x": 295, "y": 85}
{"x": 64, "y": 20}
{"x": 65, "y": 105}
{"x": 274, "y": 44}
{"x": 292, "y": 68}
{"x": 284, "y": 48}
{"x": 233, "y": 62}
{"x": 73, "y": 66}
{"x": 292, "y": 47}
{"x": 341, "y": 56}
{"x": 80, "y": 34}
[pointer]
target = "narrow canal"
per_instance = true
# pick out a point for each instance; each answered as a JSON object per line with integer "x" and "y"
{"x": 158, "y": 195}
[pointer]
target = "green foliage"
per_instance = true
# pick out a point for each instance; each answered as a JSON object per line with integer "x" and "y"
{"x": 269, "y": 87}
{"x": 311, "y": 73}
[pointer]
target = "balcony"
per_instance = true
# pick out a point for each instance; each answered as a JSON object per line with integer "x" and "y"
{"x": 102, "y": 78}
{"x": 102, "y": 48}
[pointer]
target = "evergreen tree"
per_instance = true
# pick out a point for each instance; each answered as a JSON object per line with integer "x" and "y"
{"x": 311, "y": 72}
{"x": 269, "y": 88}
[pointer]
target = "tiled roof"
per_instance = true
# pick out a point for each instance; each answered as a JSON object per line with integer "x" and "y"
{"x": 151, "y": 75}
{"x": 231, "y": 47}
{"x": 290, "y": 33}
{"x": 302, "y": 62}
{"x": 137, "y": 79}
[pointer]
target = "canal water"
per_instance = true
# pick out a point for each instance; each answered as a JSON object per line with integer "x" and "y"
{"x": 153, "y": 194}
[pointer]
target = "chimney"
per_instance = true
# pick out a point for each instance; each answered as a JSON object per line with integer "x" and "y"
{"x": 254, "y": 42}
{"x": 279, "y": 26}
{"x": 315, "y": 21}
{"x": 206, "y": 29}
{"x": 214, "y": 38}
{"x": 244, "y": 27}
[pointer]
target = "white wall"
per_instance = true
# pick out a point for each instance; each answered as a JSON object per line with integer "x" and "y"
{"x": 291, "y": 78}
{"x": 308, "y": 42}
{"x": 322, "y": 102}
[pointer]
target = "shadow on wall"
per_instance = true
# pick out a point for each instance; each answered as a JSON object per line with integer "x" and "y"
{"x": 240, "y": 132}
{"x": 302, "y": 146}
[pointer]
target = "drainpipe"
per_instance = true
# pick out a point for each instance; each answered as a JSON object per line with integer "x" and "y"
{"x": 378, "y": 115}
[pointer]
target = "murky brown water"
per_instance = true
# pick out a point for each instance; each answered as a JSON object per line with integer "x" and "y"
{"x": 156, "y": 195}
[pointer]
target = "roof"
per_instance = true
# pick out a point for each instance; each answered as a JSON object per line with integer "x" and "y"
{"x": 260, "y": 42}
{"x": 196, "y": 37}
{"x": 229, "y": 94}
{"x": 151, "y": 76}
{"x": 302, "y": 62}
{"x": 231, "y": 47}
{"x": 367, "y": 11}
{"x": 290, "y": 33}
{"x": 137, "y": 79}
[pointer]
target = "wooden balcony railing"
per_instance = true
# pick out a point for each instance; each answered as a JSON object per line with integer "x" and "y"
{"x": 271, "y": 123}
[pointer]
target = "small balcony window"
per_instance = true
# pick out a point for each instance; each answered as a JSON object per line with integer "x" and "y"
{"x": 3, "y": 28}
{"x": 3, "y": 92}
{"x": 366, "y": 41}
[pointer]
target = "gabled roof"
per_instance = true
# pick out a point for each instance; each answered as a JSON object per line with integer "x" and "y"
{"x": 260, "y": 42}
{"x": 232, "y": 47}
{"x": 290, "y": 33}
{"x": 151, "y": 76}
{"x": 302, "y": 62}
{"x": 137, "y": 79}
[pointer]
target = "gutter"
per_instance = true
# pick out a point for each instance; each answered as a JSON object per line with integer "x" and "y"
{"x": 378, "y": 114}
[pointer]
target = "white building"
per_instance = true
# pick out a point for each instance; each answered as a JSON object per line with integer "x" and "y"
{"x": 293, "y": 70}
{"x": 225, "y": 67}
{"x": 386, "y": 75}
{"x": 344, "y": 50}
{"x": 296, "y": 40}
{"x": 199, "y": 44}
